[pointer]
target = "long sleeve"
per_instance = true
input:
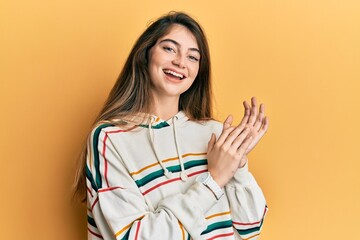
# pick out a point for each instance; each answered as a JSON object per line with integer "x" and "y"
{"x": 247, "y": 204}
{"x": 118, "y": 210}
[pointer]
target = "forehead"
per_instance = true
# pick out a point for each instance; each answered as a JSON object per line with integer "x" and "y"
{"x": 182, "y": 35}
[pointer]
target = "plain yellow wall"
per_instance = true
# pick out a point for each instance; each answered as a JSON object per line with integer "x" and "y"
{"x": 59, "y": 60}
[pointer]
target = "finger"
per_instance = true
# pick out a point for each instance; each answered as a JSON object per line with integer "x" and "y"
{"x": 253, "y": 111}
{"x": 242, "y": 149}
{"x": 265, "y": 125}
{"x": 263, "y": 128}
{"x": 260, "y": 118}
{"x": 228, "y": 121}
{"x": 224, "y": 134}
{"x": 233, "y": 135}
{"x": 245, "y": 119}
{"x": 211, "y": 142}
{"x": 240, "y": 138}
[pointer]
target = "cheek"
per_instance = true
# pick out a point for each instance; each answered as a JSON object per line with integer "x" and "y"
{"x": 194, "y": 71}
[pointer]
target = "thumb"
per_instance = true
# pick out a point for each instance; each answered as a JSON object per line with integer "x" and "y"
{"x": 211, "y": 142}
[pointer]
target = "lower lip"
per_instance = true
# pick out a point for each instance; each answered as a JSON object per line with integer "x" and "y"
{"x": 173, "y": 79}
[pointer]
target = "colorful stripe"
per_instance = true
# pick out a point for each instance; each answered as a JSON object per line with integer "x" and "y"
{"x": 105, "y": 161}
{"x": 252, "y": 230}
{"x": 252, "y": 236}
{"x": 177, "y": 168}
{"x": 217, "y": 215}
{"x": 126, "y": 227}
{"x": 221, "y": 235}
{"x": 217, "y": 225}
{"x": 95, "y": 234}
{"x": 158, "y": 126}
{"x": 137, "y": 230}
{"x": 96, "y": 154}
{"x": 89, "y": 176}
{"x": 166, "y": 160}
{"x": 109, "y": 189}
{"x": 94, "y": 203}
{"x": 182, "y": 230}
{"x": 97, "y": 183}
{"x": 91, "y": 221}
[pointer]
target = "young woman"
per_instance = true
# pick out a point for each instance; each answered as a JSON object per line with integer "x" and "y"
{"x": 157, "y": 166}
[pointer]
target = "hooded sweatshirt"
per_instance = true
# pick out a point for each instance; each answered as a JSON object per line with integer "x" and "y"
{"x": 141, "y": 183}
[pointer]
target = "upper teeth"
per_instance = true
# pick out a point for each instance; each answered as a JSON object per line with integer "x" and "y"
{"x": 174, "y": 73}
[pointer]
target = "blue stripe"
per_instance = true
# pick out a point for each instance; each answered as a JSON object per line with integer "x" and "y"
{"x": 91, "y": 179}
{"x": 91, "y": 221}
{"x": 97, "y": 155}
{"x": 250, "y": 230}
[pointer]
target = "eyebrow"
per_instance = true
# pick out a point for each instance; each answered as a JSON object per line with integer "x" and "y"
{"x": 178, "y": 44}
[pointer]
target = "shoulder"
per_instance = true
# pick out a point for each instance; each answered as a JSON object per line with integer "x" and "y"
{"x": 212, "y": 125}
{"x": 104, "y": 129}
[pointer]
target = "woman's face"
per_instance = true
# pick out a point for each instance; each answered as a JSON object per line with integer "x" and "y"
{"x": 173, "y": 62}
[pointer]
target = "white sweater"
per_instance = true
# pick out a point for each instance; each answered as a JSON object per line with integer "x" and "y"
{"x": 131, "y": 197}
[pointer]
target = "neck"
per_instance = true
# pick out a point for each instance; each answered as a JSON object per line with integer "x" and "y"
{"x": 165, "y": 107}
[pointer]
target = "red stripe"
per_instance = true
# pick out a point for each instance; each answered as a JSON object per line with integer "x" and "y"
{"x": 160, "y": 184}
{"x": 221, "y": 235}
{"x": 122, "y": 130}
{"x": 90, "y": 192}
{"x": 253, "y": 223}
{"x": 96, "y": 200}
{"x": 106, "y": 167}
{"x": 95, "y": 234}
{"x": 137, "y": 230}
{"x": 196, "y": 173}
{"x": 170, "y": 181}
{"x": 104, "y": 149}
{"x": 109, "y": 189}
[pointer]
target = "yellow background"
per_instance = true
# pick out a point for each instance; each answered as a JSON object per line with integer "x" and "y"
{"x": 59, "y": 60}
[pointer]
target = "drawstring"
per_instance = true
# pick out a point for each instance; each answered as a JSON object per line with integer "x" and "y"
{"x": 168, "y": 173}
{"x": 183, "y": 175}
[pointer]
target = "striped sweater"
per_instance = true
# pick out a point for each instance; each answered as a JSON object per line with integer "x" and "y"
{"x": 141, "y": 183}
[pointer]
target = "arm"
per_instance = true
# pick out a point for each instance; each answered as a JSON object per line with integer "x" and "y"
{"x": 247, "y": 202}
{"x": 119, "y": 209}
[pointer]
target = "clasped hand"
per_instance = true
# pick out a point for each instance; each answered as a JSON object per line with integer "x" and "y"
{"x": 226, "y": 154}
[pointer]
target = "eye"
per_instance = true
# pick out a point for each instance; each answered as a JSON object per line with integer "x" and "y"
{"x": 169, "y": 49}
{"x": 193, "y": 58}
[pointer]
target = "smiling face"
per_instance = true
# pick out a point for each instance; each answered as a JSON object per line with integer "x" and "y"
{"x": 173, "y": 63}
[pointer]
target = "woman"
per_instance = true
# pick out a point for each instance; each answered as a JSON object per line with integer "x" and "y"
{"x": 156, "y": 165}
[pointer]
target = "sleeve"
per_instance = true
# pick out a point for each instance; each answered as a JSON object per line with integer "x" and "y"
{"x": 247, "y": 204}
{"x": 119, "y": 211}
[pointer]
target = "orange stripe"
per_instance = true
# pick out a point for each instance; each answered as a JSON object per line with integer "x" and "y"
{"x": 166, "y": 160}
{"x": 252, "y": 236}
{"x": 182, "y": 230}
{"x": 127, "y": 226}
{"x": 218, "y": 214}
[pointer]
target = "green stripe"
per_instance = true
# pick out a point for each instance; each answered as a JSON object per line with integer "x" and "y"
{"x": 158, "y": 126}
{"x": 91, "y": 221}
{"x": 250, "y": 230}
{"x": 126, "y": 236}
{"x": 90, "y": 178}
{"x": 159, "y": 173}
{"x": 217, "y": 225}
{"x": 96, "y": 153}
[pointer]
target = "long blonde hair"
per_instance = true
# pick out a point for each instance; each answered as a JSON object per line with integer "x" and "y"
{"x": 131, "y": 92}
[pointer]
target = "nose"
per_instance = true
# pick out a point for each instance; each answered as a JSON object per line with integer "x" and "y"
{"x": 179, "y": 60}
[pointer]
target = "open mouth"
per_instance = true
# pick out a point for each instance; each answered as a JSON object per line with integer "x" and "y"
{"x": 174, "y": 74}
